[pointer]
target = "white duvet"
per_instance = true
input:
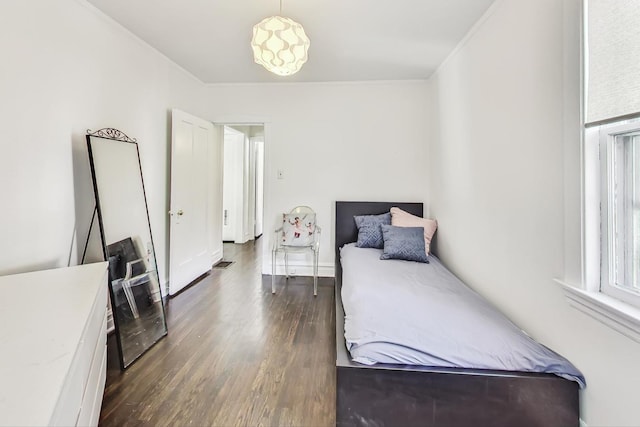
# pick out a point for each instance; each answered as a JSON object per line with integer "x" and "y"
{"x": 403, "y": 312}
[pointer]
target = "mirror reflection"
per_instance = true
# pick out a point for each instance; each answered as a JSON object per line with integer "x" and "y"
{"x": 135, "y": 294}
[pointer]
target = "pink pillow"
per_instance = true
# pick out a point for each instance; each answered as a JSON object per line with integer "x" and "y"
{"x": 400, "y": 218}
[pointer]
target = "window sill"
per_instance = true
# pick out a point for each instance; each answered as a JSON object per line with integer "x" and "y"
{"x": 618, "y": 315}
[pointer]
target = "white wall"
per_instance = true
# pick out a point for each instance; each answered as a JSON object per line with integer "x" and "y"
{"x": 505, "y": 188}
{"x": 66, "y": 68}
{"x": 333, "y": 141}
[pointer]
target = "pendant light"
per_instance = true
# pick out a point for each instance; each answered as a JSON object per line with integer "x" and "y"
{"x": 280, "y": 44}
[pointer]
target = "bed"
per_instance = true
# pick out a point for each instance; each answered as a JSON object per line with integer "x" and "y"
{"x": 385, "y": 394}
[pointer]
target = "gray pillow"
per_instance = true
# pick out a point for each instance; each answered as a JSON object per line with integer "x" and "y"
{"x": 369, "y": 232}
{"x": 406, "y": 243}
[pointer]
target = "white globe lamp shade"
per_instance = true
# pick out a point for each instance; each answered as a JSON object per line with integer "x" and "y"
{"x": 280, "y": 45}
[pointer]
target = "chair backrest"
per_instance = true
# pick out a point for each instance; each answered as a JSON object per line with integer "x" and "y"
{"x": 120, "y": 255}
{"x": 299, "y": 227}
{"x": 302, "y": 210}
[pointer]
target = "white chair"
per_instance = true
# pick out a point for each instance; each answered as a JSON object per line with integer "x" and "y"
{"x": 130, "y": 280}
{"x": 128, "y": 270}
{"x": 301, "y": 224}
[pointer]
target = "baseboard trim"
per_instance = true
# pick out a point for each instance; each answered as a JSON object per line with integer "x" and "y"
{"x": 298, "y": 269}
{"x": 216, "y": 256}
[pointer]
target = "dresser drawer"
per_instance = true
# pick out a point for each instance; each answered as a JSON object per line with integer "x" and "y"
{"x": 51, "y": 322}
{"x": 68, "y": 407}
{"x": 94, "y": 336}
{"x": 92, "y": 400}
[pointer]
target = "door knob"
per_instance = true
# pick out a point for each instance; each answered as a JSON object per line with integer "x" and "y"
{"x": 180, "y": 212}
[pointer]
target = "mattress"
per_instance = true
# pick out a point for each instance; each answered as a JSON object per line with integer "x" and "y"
{"x": 402, "y": 312}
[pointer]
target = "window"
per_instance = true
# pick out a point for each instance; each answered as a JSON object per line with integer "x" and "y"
{"x": 620, "y": 211}
{"x": 612, "y": 148}
{"x": 610, "y": 291}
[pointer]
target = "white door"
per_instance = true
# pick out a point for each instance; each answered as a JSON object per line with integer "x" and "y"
{"x": 229, "y": 192}
{"x": 248, "y": 191}
{"x": 259, "y": 165}
{"x": 192, "y": 159}
{"x": 233, "y": 193}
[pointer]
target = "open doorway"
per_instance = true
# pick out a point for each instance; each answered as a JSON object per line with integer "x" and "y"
{"x": 243, "y": 183}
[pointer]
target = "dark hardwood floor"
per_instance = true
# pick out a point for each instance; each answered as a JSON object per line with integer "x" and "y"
{"x": 235, "y": 355}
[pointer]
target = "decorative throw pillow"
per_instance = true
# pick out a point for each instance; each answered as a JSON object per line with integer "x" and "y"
{"x": 298, "y": 229}
{"x": 402, "y": 218}
{"x": 406, "y": 243}
{"x": 369, "y": 232}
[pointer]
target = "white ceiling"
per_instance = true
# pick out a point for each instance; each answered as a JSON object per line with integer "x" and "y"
{"x": 351, "y": 40}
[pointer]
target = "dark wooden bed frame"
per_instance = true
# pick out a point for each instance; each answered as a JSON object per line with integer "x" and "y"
{"x": 405, "y": 395}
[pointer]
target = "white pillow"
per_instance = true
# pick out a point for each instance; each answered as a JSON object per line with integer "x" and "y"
{"x": 401, "y": 218}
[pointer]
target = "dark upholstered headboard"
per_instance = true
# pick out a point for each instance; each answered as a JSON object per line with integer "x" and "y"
{"x": 346, "y": 231}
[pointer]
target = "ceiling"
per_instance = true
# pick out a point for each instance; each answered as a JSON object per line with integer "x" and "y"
{"x": 351, "y": 40}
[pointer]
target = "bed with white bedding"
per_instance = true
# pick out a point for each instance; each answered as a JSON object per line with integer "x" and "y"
{"x": 415, "y": 346}
{"x": 413, "y": 313}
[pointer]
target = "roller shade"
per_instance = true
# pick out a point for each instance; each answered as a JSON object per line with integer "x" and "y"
{"x": 613, "y": 59}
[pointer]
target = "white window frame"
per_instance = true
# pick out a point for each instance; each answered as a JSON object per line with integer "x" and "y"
{"x": 611, "y": 309}
{"x": 608, "y": 134}
{"x": 605, "y": 307}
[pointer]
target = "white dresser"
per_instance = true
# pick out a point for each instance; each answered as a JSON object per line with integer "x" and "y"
{"x": 53, "y": 346}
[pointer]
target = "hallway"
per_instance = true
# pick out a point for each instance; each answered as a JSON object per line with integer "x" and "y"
{"x": 235, "y": 355}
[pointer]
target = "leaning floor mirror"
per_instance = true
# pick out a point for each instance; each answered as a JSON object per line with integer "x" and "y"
{"x": 123, "y": 216}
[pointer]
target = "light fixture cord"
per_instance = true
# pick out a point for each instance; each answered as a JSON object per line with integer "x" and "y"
{"x": 280, "y": 7}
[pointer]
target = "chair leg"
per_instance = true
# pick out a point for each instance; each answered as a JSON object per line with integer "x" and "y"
{"x": 273, "y": 272}
{"x": 130, "y": 298}
{"x": 315, "y": 273}
{"x": 286, "y": 265}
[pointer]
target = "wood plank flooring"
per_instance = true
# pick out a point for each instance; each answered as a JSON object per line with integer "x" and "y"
{"x": 235, "y": 355}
